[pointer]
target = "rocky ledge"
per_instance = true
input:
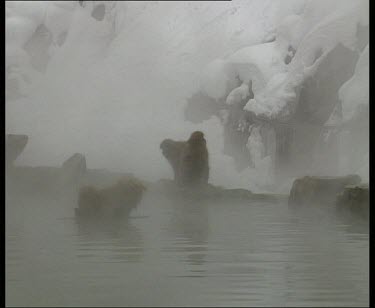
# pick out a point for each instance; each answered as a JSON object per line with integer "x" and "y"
{"x": 345, "y": 193}
{"x": 354, "y": 199}
{"x": 311, "y": 190}
{"x": 212, "y": 192}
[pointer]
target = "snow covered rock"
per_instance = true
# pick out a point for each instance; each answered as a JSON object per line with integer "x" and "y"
{"x": 301, "y": 84}
{"x": 313, "y": 190}
{"x": 355, "y": 199}
{"x": 75, "y": 164}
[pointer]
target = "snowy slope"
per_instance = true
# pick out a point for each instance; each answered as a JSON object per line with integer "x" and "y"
{"x": 115, "y": 88}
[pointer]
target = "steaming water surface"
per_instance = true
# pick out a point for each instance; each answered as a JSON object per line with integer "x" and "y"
{"x": 113, "y": 96}
{"x": 184, "y": 252}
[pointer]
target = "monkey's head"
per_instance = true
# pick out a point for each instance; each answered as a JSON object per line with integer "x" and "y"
{"x": 197, "y": 138}
{"x": 128, "y": 190}
{"x": 165, "y": 143}
{"x": 130, "y": 184}
{"x": 165, "y": 146}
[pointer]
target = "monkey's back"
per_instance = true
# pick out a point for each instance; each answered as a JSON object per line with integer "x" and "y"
{"x": 194, "y": 168}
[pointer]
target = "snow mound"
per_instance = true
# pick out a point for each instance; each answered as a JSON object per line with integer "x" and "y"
{"x": 238, "y": 94}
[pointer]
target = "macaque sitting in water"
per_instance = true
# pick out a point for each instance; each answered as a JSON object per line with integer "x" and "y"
{"x": 189, "y": 159}
{"x": 114, "y": 201}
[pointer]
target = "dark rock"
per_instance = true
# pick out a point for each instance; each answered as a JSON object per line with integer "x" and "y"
{"x": 317, "y": 100}
{"x": 214, "y": 193}
{"x": 14, "y": 147}
{"x": 200, "y": 107}
{"x": 37, "y": 47}
{"x": 98, "y": 12}
{"x": 290, "y": 55}
{"x": 75, "y": 163}
{"x": 319, "y": 190}
{"x": 72, "y": 172}
{"x": 355, "y": 199}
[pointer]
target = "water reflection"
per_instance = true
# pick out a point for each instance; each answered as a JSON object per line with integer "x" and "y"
{"x": 115, "y": 240}
{"x": 187, "y": 251}
{"x": 189, "y": 225}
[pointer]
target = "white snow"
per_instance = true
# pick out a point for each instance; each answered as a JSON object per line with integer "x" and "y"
{"x": 58, "y": 18}
{"x": 238, "y": 94}
{"x": 115, "y": 93}
{"x": 313, "y": 33}
{"x": 115, "y": 99}
{"x": 257, "y": 63}
{"x": 277, "y": 97}
{"x": 18, "y": 30}
{"x": 215, "y": 79}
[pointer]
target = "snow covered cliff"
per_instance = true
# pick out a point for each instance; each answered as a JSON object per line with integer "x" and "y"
{"x": 267, "y": 81}
{"x": 286, "y": 98}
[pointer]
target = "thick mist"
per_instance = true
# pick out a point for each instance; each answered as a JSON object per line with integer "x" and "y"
{"x": 280, "y": 90}
{"x": 114, "y": 95}
{"x": 114, "y": 86}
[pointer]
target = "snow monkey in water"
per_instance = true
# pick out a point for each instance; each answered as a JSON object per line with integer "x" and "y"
{"x": 172, "y": 151}
{"x": 113, "y": 201}
{"x": 189, "y": 159}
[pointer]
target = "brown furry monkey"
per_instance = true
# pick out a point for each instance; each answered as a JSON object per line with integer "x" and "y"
{"x": 172, "y": 152}
{"x": 189, "y": 159}
{"x": 193, "y": 165}
{"x": 116, "y": 200}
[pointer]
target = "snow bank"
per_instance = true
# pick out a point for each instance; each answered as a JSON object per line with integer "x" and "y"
{"x": 276, "y": 70}
{"x": 278, "y": 97}
{"x": 320, "y": 27}
{"x": 116, "y": 88}
{"x": 115, "y": 98}
{"x": 216, "y": 79}
{"x": 238, "y": 94}
{"x": 257, "y": 64}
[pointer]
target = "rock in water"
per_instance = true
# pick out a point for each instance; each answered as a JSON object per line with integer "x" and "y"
{"x": 354, "y": 198}
{"x": 75, "y": 164}
{"x": 72, "y": 170}
{"x": 14, "y": 147}
{"x": 213, "y": 193}
{"x": 319, "y": 190}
